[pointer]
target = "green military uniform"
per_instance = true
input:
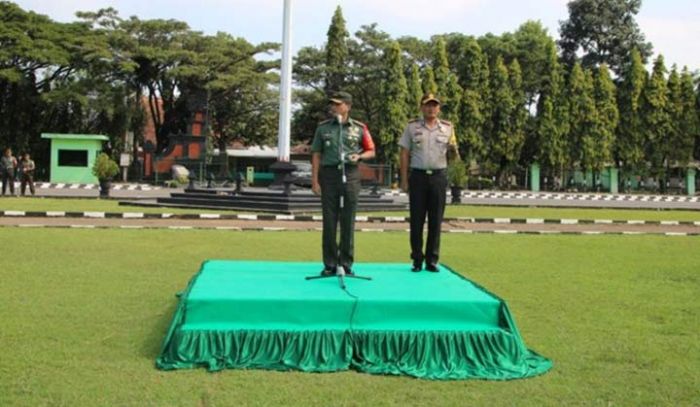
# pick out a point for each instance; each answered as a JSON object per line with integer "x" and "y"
{"x": 339, "y": 196}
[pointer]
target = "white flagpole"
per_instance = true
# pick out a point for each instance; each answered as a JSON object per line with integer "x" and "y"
{"x": 285, "y": 86}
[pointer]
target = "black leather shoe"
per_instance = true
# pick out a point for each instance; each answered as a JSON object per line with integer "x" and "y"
{"x": 417, "y": 267}
{"x": 327, "y": 272}
{"x": 348, "y": 271}
{"x": 432, "y": 268}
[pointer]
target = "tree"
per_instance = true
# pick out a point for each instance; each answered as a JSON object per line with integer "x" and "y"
{"x": 156, "y": 48}
{"x": 552, "y": 122}
{"x": 336, "y": 53}
{"x": 474, "y": 78}
{"x": 429, "y": 85}
{"x": 589, "y": 129}
{"x": 629, "y": 145}
{"x": 415, "y": 92}
{"x": 690, "y": 118}
{"x": 696, "y": 155}
{"x": 684, "y": 119}
{"x": 607, "y": 118}
{"x": 416, "y": 50}
{"x": 656, "y": 123}
{"x": 367, "y": 68}
{"x": 520, "y": 114}
{"x": 533, "y": 46}
{"x": 441, "y": 67}
{"x": 448, "y": 90}
{"x": 309, "y": 69}
{"x": 582, "y": 118}
{"x": 494, "y": 46}
{"x": 223, "y": 73}
{"x": 452, "y": 96}
{"x": 392, "y": 115}
{"x": 470, "y": 133}
{"x": 674, "y": 110}
{"x": 44, "y": 78}
{"x": 605, "y": 31}
{"x": 505, "y": 139}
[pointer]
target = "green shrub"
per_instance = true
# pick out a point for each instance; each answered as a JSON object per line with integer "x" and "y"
{"x": 104, "y": 167}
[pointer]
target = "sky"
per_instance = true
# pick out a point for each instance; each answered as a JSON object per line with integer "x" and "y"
{"x": 672, "y": 26}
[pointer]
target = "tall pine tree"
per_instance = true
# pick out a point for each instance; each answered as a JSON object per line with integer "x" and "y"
{"x": 588, "y": 127}
{"x": 581, "y": 117}
{"x": 520, "y": 115}
{"x": 629, "y": 144}
{"x": 608, "y": 117}
{"x": 504, "y": 144}
{"x": 336, "y": 53}
{"x": 656, "y": 121}
{"x": 441, "y": 67}
{"x": 429, "y": 85}
{"x": 690, "y": 117}
{"x": 684, "y": 119}
{"x": 415, "y": 92}
{"x": 552, "y": 119}
{"x": 474, "y": 78}
{"x": 392, "y": 113}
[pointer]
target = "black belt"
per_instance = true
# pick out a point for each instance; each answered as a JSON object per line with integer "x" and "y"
{"x": 337, "y": 166}
{"x": 429, "y": 172}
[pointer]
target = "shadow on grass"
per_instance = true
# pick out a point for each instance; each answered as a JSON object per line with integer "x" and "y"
{"x": 150, "y": 348}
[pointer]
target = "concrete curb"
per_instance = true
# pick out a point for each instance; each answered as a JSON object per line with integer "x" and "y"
{"x": 318, "y": 218}
{"x": 366, "y": 230}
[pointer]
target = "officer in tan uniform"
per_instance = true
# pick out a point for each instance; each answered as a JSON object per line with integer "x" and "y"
{"x": 426, "y": 145}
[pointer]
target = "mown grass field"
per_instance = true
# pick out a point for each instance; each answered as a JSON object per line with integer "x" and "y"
{"x": 83, "y": 314}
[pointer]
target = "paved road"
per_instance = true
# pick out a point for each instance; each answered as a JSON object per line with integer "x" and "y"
{"x": 491, "y": 198}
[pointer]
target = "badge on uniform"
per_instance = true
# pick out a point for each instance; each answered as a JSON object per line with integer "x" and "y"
{"x": 353, "y": 133}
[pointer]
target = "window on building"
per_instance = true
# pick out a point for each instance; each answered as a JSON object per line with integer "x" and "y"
{"x": 72, "y": 158}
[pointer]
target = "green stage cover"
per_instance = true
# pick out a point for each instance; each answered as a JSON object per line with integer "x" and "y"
{"x": 265, "y": 315}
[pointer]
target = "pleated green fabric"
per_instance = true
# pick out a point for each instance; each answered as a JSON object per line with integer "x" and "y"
{"x": 264, "y": 315}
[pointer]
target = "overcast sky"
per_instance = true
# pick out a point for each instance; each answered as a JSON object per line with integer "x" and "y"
{"x": 673, "y": 26}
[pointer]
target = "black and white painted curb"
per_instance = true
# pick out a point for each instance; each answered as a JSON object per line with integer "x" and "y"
{"x": 365, "y": 230}
{"x": 568, "y": 196}
{"x": 115, "y": 186}
{"x": 319, "y": 218}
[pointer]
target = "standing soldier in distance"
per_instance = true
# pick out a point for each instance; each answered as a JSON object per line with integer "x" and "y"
{"x": 27, "y": 177}
{"x": 8, "y": 164}
{"x": 426, "y": 145}
{"x": 338, "y": 145}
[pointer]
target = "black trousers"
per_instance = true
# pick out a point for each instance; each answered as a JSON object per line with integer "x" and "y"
{"x": 332, "y": 189}
{"x": 427, "y": 195}
{"x": 27, "y": 179}
{"x": 8, "y": 178}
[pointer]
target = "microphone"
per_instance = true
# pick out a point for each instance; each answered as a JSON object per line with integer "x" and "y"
{"x": 340, "y": 272}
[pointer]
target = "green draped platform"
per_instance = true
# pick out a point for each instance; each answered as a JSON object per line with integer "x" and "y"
{"x": 265, "y": 315}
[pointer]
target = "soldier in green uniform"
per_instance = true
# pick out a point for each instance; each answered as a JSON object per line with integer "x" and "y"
{"x": 338, "y": 145}
{"x": 426, "y": 145}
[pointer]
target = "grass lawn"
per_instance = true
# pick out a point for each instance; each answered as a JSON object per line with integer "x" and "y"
{"x": 84, "y": 313}
{"x": 97, "y": 205}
